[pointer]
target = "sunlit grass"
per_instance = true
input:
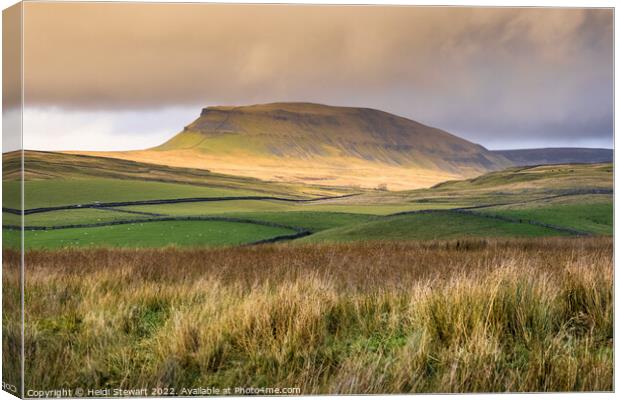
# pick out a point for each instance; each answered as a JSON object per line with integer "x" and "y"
{"x": 478, "y": 315}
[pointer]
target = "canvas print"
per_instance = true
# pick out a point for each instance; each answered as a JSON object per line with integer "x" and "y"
{"x": 235, "y": 199}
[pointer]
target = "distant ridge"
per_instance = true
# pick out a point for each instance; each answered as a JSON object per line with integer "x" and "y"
{"x": 557, "y": 155}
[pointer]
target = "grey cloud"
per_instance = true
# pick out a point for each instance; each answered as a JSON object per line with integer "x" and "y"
{"x": 477, "y": 71}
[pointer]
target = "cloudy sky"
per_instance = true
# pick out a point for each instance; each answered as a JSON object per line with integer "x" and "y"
{"x": 128, "y": 76}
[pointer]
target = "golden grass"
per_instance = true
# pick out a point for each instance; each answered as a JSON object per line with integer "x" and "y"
{"x": 482, "y": 316}
{"x": 340, "y": 171}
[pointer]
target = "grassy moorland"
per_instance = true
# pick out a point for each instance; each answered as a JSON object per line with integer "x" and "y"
{"x": 375, "y": 317}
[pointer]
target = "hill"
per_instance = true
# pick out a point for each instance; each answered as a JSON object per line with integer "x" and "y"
{"x": 510, "y": 185}
{"x": 518, "y": 201}
{"x": 313, "y": 143}
{"x": 54, "y": 179}
{"x": 561, "y": 155}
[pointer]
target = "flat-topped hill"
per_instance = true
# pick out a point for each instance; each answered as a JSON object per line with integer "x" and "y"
{"x": 314, "y": 143}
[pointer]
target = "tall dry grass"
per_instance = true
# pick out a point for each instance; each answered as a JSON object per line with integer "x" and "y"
{"x": 11, "y": 323}
{"x": 473, "y": 316}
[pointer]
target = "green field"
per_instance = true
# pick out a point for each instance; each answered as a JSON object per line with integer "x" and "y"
{"x": 69, "y": 217}
{"x": 47, "y": 193}
{"x": 214, "y": 207}
{"x": 576, "y": 197}
{"x": 79, "y": 216}
{"x": 11, "y": 219}
{"x": 313, "y": 221}
{"x": 11, "y": 239}
{"x": 331, "y": 206}
{"x": 155, "y": 234}
{"x": 596, "y": 218}
{"x": 439, "y": 225}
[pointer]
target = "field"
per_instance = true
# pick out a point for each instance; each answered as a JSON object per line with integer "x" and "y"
{"x": 94, "y": 201}
{"x": 156, "y": 234}
{"x": 590, "y": 214}
{"x": 54, "y": 179}
{"x": 430, "y": 226}
{"x": 140, "y": 275}
{"x": 382, "y": 317}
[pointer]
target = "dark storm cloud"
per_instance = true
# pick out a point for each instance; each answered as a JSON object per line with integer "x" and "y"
{"x": 478, "y": 72}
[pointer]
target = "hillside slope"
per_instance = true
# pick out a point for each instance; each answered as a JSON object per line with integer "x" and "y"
{"x": 59, "y": 179}
{"x": 565, "y": 155}
{"x": 313, "y": 143}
